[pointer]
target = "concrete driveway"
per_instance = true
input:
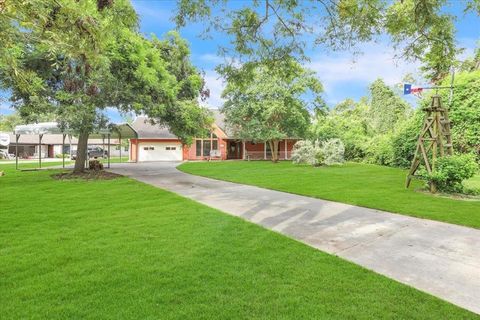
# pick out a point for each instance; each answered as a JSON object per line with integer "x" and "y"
{"x": 439, "y": 258}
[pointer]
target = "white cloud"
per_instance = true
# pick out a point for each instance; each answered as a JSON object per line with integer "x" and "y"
{"x": 376, "y": 61}
{"x": 211, "y": 58}
{"x": 216, "y": 85}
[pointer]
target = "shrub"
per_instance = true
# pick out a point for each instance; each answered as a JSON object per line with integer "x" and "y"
{"x": 333, "y": 152}
{"x": 305, "y": 152}
{"x": 404, "y": 140}
{"x": 450, "y": 171}
{"x": 329, "y": 152}
{"x": 380, "y": 150}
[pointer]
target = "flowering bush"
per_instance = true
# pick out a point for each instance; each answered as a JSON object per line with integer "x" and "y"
{"x": 333, "y": 151}
{"x": 305, "y": 152}
{"x": 315, "y": 154}
{"x": 450, "y": 171}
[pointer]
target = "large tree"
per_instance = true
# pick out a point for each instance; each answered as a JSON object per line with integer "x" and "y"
{"x": 272, "y": 30}
{"x": 272, "y": 105}
{"x": 76, "y": 58}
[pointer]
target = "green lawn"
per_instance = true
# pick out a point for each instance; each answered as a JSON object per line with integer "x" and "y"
{"x": 359, "y": 184}
{"x": 121, "y": 249}
{"x": 473, "y": 183}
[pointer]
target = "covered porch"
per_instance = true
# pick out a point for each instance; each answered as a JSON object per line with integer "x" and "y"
{"x": 249, "y": 150}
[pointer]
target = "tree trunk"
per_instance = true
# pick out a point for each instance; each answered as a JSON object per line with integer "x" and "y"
{"x": 274, "y": 150}
{"x": 81, "y": 152}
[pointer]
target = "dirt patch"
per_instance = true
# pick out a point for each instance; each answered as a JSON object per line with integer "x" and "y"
{"x": 86, "y": 175}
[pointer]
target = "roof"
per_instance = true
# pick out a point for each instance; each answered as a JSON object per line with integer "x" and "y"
{"x": 120, "y": 130}
{"x": 53, "y": 139}
{"x": 145, "y": 129}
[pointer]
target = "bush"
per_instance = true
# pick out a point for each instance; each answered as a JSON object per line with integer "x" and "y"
{"x": 305, "y": 152}
{"x": 450, "y": 171}
{"x": 404, "y": 140}
{"x": 330, "y": 152}
{"x": 333, "y": 152}
{"x": 380, "y": 150}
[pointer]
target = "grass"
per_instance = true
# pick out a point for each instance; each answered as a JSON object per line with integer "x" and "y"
{"x": 32, "y": 164}
{"x": 120, "y": 249}
{"x": 473, "y": 183}
{"x": 358, "y": 184}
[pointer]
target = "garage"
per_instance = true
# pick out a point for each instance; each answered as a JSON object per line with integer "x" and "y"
{"x": 160, "y": 151}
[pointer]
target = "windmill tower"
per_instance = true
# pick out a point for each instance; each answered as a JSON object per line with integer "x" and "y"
{"x": 435, "y": 140}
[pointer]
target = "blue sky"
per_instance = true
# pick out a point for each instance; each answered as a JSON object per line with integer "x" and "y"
{"x": 342, "y": 75}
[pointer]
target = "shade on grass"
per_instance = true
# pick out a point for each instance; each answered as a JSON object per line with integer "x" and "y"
{"x": 365, "y": 185}
{"x": 122, "y": 249}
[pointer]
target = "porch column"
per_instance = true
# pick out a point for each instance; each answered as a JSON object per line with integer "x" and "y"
{"x": 244, "y": 156}
{"x": 264, "y": 150}
{"x": 40, "y": 150}
{"x": 286, "y": 150}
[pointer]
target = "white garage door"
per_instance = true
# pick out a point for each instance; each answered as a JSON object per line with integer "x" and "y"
{"x": 160, "y": 151}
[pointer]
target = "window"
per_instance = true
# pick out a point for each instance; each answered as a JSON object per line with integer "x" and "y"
{"x": 206, "y": 148}
{"x": 215, "y": 145}
{"x": 170, "y": 148}
{"x": 151, "y": 148}
{"x": 145, "y": 148}
{"x": 198, "y": 147}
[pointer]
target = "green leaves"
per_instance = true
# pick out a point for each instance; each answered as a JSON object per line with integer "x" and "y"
{"x": 264, "y": 104}
{"x": 273, "y": 30}
{"x": 74, "y": 59}
{"x": 450, "y": 171}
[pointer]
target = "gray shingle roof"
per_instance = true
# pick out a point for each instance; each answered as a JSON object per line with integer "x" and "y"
{"x": 146, "y": 130}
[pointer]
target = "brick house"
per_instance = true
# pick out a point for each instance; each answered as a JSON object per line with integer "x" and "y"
{"x": 156, "y": 143}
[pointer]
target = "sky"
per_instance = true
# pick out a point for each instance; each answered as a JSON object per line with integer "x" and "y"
{"x": 342, "y": 74}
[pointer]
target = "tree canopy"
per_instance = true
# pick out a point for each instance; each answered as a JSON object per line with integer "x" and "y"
{"x": 272, "y": 106}
{"x": 75, "y": 59}
{"x": 272, "y": 30}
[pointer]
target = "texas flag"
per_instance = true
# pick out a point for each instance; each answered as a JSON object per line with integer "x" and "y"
{"x": 407, "y": 88}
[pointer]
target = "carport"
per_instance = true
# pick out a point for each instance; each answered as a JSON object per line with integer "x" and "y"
{"x": 120, "y": 130}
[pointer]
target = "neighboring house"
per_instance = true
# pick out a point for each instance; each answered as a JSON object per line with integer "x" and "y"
{"x": 51, "y": 145}
{"x": 156, "y": 143}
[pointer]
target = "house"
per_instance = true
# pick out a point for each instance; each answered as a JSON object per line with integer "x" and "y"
{"x": 156, "y": 143}
{"x": 51, "y": 145}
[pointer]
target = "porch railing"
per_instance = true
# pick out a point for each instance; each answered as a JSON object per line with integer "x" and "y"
{"x": 260, "y": 155}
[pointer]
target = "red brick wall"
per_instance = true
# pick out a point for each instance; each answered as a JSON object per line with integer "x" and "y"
{"x": 254, "y": 150}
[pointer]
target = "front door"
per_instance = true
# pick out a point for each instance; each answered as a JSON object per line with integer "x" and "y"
{"x": 234, "y": 150}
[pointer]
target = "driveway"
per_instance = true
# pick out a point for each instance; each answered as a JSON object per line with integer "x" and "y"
{"x": 439, "y": 258}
